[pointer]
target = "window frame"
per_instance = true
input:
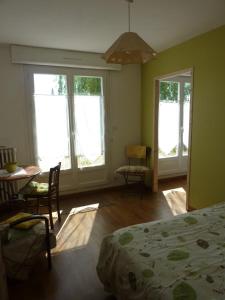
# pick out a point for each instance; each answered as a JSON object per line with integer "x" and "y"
{"x": 29, "y": 71}
{"x": 181, "y": 80}
{"x": 94, "y": 73}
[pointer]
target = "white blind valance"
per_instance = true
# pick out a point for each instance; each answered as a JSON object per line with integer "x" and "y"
{"x": 56, "y": 57}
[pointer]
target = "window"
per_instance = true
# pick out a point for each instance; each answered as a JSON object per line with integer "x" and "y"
{"x": 174, "y": 114}
{"x": 51, "y": 121}
{"x": 89, "y": 137}
{"x": 186, "y": 116}
{"x": 169, "y": 119}
{"x": 69, "y": 126}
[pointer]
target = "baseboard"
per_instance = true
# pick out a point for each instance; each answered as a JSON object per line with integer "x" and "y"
{"x": 91, "y": 191}
{"x": 99, "y": 190}
{"x": 190, "y": 208}
{"x": 165, "y": 179}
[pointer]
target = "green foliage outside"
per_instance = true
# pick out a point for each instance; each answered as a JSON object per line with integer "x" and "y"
{"x": 173, "y": 152}
{"x": 187, "y": 91}
{"x": 92, "y": 86}
{"x": 88, "y": 86}
{"x": 62, "y": 85}
{"x": 169, "y": 91}
{"x": 84, "y": 162}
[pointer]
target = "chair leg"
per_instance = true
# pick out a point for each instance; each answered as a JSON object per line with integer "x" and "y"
{"x": 38, "y": 205}
{"x": 57, "y": 207}
{"x": 48, "y": 247}
{"x": 26, "y": 204}
{"x": 126, "y": 178}
{"x": 142, "y": 186}
{"x": 50, "y": 213}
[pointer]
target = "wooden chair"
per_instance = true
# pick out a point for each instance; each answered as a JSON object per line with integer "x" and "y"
{"x": 21, "y": 245}
{"x": 44, "y": 193}
{"x": 7, "y": 154}
{"x": 136, "y": 170}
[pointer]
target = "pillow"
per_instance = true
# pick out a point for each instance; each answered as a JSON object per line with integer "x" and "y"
{"x": 25, "y": 224}
{"x": 34, "y": 188}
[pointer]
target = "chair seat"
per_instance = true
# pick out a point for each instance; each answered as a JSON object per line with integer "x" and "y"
{"x": 28, "y": 244}
{"x": 43, "y": 194}
{"x": 132, "y": 169}
{"x": 35, "y": 189}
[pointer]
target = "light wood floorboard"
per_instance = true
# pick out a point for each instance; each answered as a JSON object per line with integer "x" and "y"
{"x": 73, "y": 276}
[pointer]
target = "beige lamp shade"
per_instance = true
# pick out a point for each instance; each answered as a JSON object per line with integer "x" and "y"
{"x": 129, "y": 48}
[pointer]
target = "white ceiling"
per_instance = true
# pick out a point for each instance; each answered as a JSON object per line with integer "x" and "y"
{"x": 92, "y": 25}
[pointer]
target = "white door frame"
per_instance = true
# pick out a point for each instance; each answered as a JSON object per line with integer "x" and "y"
{"x": 155, "y": 130}
{"x": 177, "y": 164}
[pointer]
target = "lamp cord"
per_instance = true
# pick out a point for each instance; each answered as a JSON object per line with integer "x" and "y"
{"x": 129, "y": 16}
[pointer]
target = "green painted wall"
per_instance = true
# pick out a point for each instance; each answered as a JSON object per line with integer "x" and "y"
{"x": 206, "y": 54}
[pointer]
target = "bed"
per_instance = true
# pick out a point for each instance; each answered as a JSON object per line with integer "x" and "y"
{"x": 181, "y": 258}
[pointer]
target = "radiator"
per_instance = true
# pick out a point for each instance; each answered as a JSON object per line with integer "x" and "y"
{"x": 7, "y": 154}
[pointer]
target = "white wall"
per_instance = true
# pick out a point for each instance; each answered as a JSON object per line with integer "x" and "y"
{"x": 13, "y": 131}
{"x": 124, "y": 112}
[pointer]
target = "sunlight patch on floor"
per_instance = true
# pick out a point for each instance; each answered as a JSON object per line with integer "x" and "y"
{"x": 176, "y": 199}
{"x": 76, "y": 229}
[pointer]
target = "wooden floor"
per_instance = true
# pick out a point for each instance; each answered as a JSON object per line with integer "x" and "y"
{"x": 86, "y": 219}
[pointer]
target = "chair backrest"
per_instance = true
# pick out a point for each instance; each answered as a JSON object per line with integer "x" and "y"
{"x": 137, "y": 154}
{"x": 54, "y": 179}
{"x": 7, "y": 154}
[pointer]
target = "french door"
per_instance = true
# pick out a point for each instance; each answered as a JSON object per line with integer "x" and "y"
{"x": 68, "y": 121}
{"x": 173, "y": 125}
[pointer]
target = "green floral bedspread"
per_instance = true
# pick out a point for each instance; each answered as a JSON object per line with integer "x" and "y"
{"x": 182, "y": 258}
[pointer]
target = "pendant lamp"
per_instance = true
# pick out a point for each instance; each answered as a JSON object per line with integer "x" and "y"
{"x": 129, "y": 48}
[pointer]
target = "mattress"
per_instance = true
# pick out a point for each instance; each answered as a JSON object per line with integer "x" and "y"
{"x": 181, "y": 258}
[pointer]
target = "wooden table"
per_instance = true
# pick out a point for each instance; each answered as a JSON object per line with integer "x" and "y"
{"x": 21, "y": 173}
{"x": 8, "y": 179}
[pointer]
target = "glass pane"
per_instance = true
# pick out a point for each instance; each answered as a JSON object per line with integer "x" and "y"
{"x": 88, "y": 86}
{"x": 168, "y": 119}
{"x": 52, "y": 124}
{"x": 187, "y": 91}
{"x": 169, "y": 91}
{"x": 186, "y": 116}
{"x": 89, "y": 121}
{"x": 50, "y": 84}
